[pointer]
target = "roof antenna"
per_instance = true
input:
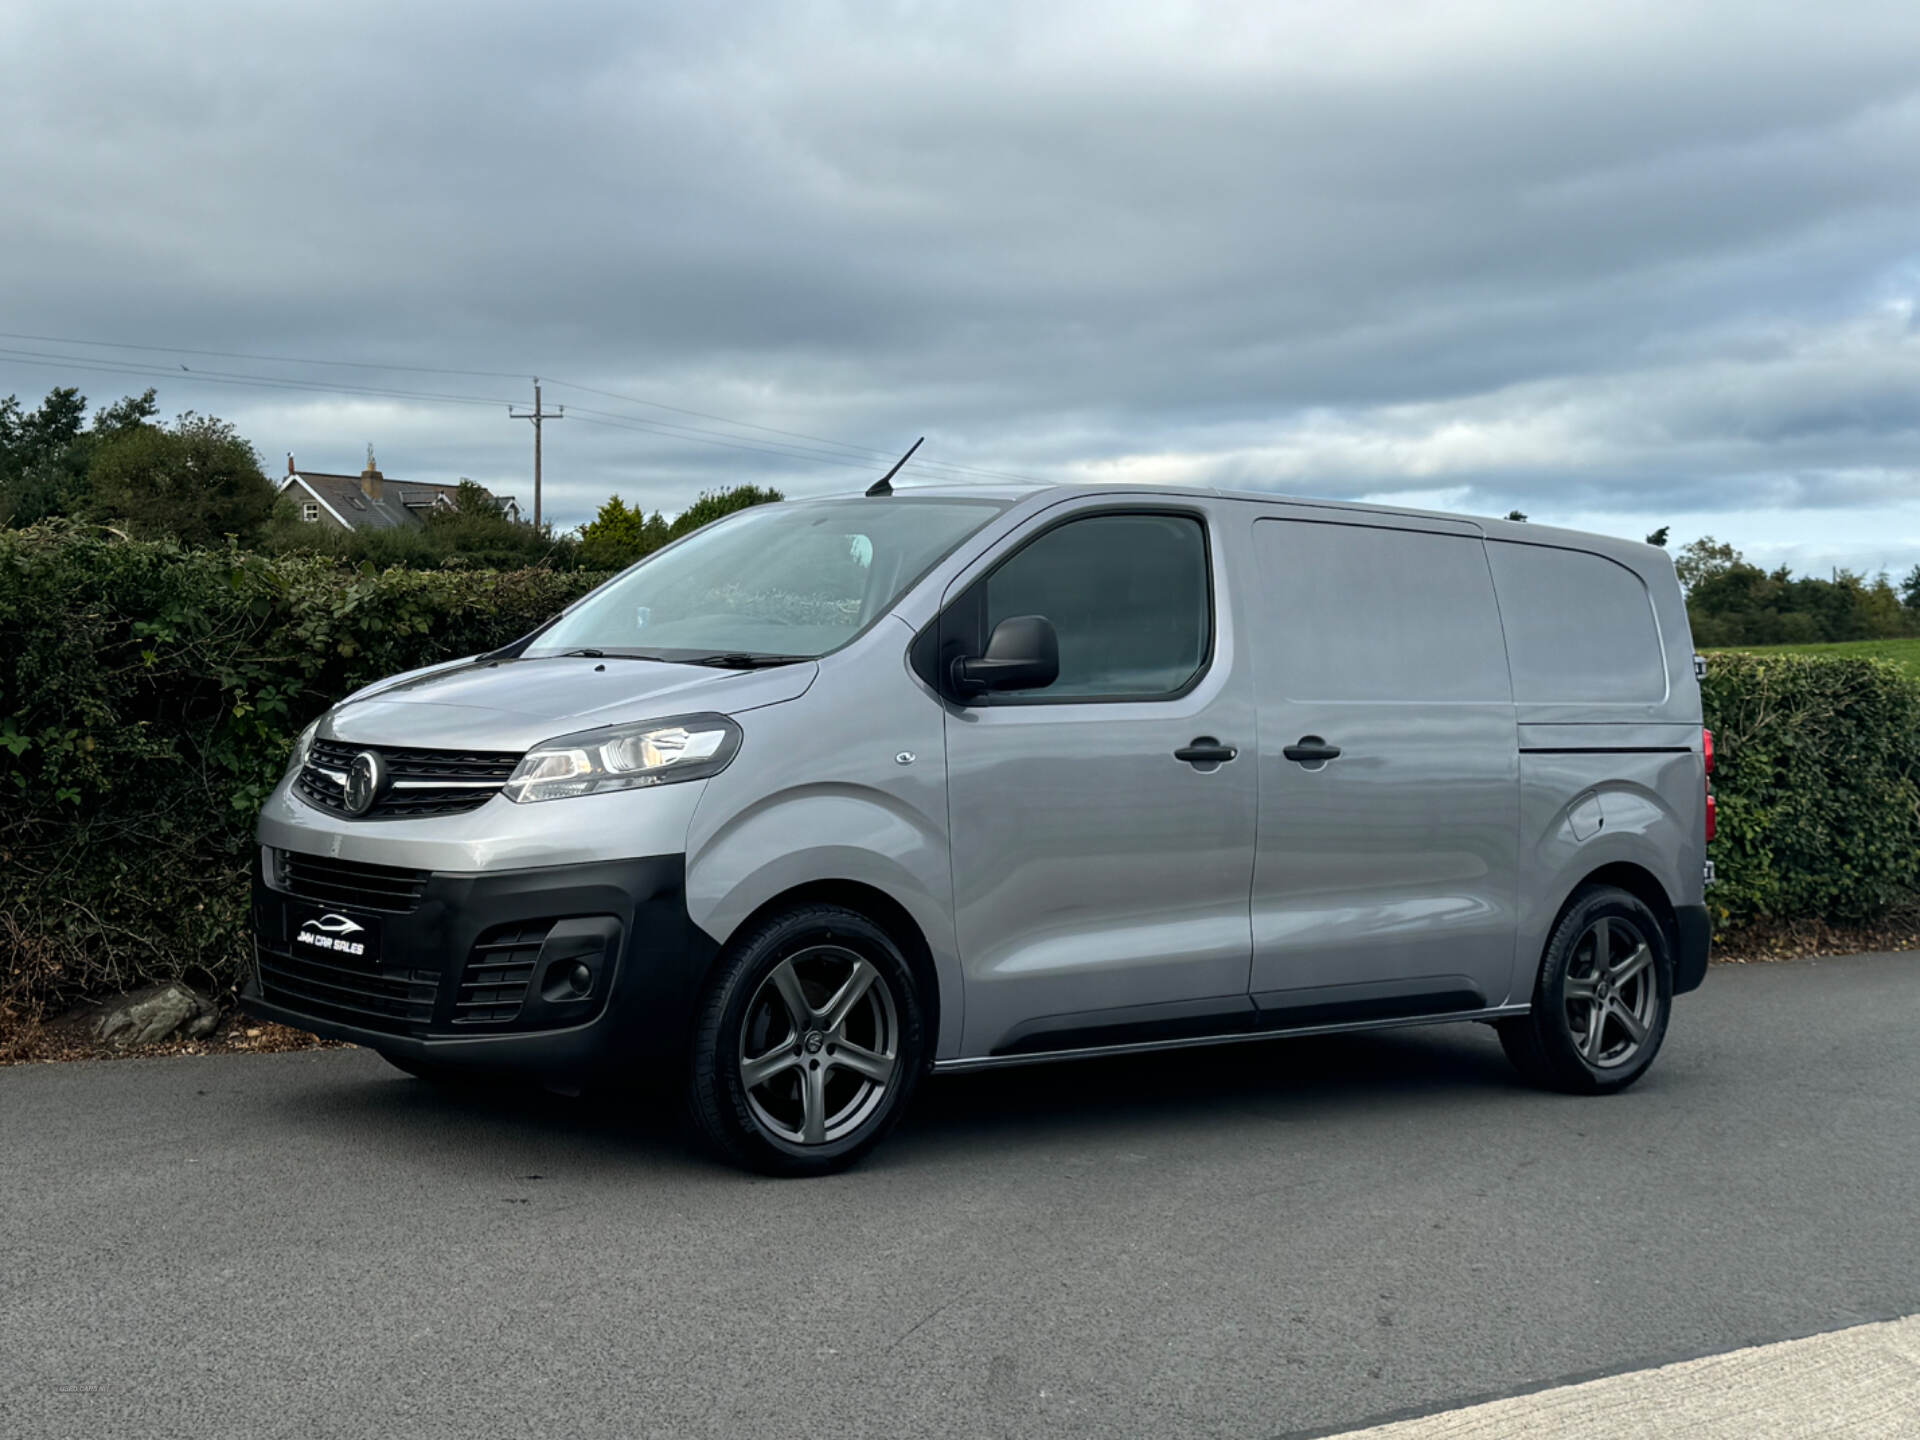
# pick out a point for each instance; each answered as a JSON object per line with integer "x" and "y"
{"x": 883, "y": 485}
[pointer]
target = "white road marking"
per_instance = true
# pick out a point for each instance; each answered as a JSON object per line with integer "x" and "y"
{"x": 1861, "y": 1384}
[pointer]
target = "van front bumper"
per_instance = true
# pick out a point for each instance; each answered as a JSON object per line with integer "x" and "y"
{"x": 563, "y": 972}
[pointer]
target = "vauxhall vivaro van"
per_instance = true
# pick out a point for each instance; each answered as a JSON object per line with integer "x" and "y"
{"x": 835, "y": 792}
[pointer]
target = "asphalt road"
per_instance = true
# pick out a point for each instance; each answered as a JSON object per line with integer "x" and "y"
{"x": 1259, "y": 1241}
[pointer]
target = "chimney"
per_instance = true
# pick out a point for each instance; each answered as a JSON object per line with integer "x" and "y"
{"x": 290, "y": 469}
{"x": 371, "y": 478}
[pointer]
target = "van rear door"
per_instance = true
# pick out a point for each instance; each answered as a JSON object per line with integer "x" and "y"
{"x": 1387, "y": 844}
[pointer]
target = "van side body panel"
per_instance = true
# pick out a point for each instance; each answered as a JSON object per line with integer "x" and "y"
{"x": 819, "y": 793}
{"x": 1385, "y": 876}
{"x": 1584, "y": 809}
{"x": 1611, "y": 770}
{"x": 1098, "y": 880}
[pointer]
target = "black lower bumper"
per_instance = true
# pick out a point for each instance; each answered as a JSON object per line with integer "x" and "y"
{"x": 1693, "y": 942}
{"x": 562, "y": 972}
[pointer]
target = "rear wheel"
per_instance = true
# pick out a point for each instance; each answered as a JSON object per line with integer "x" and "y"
{"x": 809, "y": 1043}
{"x": 1601, "y": 1004}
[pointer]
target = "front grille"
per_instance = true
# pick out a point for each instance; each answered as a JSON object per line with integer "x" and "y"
{"x": 348, "y": 882}
{"x": 424, "y": 782}
{"x": 395, "y": 1002}
{"x": 498, "y": 973}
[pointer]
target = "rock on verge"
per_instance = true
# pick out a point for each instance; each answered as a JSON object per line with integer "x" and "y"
{"x": 145, "y": 1017}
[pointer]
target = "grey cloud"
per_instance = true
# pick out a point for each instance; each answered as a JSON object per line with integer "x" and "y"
{"x": 1594, "y": 258}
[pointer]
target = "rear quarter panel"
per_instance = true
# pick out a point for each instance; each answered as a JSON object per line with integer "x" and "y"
{"x": 1581, "y": 810}
{"x": 1608, "y": 783}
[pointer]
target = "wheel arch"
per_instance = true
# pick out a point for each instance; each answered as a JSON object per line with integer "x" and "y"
{"x": 1637, "y": 881}
{"x": 885, "y": 911}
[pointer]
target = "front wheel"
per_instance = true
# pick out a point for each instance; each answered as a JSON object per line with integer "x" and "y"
{"x": 1600, "y": 1006}
{"x": 809, "y": 1043}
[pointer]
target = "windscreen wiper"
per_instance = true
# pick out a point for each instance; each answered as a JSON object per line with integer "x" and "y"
{"x": 741, "y": 660}
{"x": 589, "y": 654}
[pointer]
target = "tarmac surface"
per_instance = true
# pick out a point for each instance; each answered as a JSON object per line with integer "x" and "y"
{"x": 1298, "y": 1238}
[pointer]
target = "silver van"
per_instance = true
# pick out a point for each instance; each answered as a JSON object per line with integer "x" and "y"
{"x": 837, "y": 792}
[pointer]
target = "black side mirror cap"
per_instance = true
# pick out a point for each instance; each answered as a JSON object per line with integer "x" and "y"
{"x": 1022, "y": 654}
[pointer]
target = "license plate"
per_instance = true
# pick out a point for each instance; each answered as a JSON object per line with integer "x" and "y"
{"x": 337, "y": 937}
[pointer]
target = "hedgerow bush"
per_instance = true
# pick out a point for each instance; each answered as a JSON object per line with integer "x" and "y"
{"x": 149, "y": 696}
{"x": 1815, "y": 774}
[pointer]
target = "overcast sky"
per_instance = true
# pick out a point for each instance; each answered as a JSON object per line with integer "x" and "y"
{"x": 1614, "y": 265}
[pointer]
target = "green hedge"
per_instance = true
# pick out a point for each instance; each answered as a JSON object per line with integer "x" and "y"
{"x": 149, "y": 695}
{"x": 148, "y": 699}
{"x": 1815, "y": 774}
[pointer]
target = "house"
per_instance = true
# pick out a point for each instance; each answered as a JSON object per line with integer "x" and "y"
{"x": 370, "y": 501}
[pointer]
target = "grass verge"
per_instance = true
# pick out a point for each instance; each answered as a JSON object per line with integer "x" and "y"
{"x": 1904, "y": 651}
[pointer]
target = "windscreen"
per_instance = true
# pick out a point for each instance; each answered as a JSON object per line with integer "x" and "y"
{"x": 789, "y": 580}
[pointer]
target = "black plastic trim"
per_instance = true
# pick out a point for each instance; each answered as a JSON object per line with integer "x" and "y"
{"x": 1693, "y": 946}
{"x": 1606, "y": 749}
{"x": 1282, "y": 1010}
{"x": 1227, "y": 1016}
{"x": 638, "y": 1011}
{"x": 1130, "y": 1025}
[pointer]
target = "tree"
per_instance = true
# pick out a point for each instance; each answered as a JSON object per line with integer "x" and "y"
{"x": 474, "y": 499}
{"x": 1659, "y": 537}
{"x": 42, "y": 458}
{"x": 621, "y": 534}
{"x": 124, "y": 414}
{"x": 712, "y": 504}
{"x": 195, "y": 480}
{"x": 618, "y": 536}
{"x": 1910, "y": 589}
{"x": 1705, "y": 559}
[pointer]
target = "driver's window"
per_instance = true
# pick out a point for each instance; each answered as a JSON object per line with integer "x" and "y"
{"x": 1128, "y": 596}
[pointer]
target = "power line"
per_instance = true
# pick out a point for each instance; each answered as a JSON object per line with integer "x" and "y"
{"x": 650, "y": 427}
{"x": 634, "y": 423}
{"x": 271, "y": 359}
{"x": 862, "y": 451}
{"x": 222, "y": 377}
{"x": 867, "y": 455}
{"x": 849, "y": 456}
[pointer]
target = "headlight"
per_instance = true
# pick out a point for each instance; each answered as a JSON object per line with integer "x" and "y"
{"x": 301, "y": 748}
{"x": 625, "y": 757}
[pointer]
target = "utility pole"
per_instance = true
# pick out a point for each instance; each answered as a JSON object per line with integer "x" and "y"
{"x": 538, "y": 416}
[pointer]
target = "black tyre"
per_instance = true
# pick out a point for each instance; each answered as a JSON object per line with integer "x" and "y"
{"x": 1601, "y": 1004}
{"x": 808, "y": 1043}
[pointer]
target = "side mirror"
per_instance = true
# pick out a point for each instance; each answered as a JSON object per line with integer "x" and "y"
{"x": 1023, "y": 654}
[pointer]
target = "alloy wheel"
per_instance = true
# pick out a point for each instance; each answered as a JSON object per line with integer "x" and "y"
{"x": 820, "y": 1045}
{"x": 1611, "y": 992}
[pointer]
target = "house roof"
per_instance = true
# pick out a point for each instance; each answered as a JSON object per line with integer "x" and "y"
{"x": 402, "y": 505}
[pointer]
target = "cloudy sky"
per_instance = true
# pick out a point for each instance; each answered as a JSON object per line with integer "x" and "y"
{"x": 1616, "y": 265}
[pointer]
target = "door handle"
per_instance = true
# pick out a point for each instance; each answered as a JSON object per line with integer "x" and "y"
{"x": 1309, "y": 749}
{"x": 1205, "y": 750}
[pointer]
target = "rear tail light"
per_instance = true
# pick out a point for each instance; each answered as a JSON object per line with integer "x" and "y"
{"x": 1706, "y": 750}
